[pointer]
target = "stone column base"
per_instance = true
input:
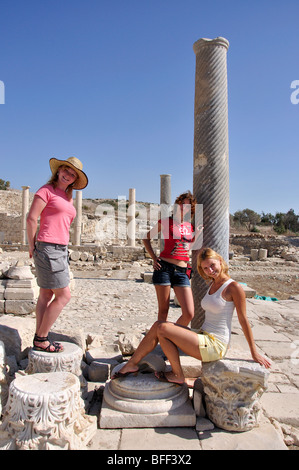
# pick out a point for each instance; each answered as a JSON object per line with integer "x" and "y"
{"x": 68, "y": 360}
{"x": 144, "y": 402}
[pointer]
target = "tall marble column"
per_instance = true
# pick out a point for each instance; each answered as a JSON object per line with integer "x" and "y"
{"x": 211, "y": 168}
{"x": 25, "y": 209}
{"x": 165, "y": 189}
{"x": 165, "y": 198}
{"x": 78, "y": 219}
{"x": 131, "y": 217}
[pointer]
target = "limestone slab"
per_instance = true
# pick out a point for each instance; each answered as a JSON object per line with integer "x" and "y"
{"x": 183, "y": 416}
{"x": 264, "y": 437}
{"x": 21, "y": 283}
{"x": 160, "y": 439}
{"x": 22, "y": 293}
{"x": 277, "y": 351}
{"x": 2, "y": 290}
{"x": 17, "y": 334}
{"x": 20, "y": 272}
{"x": 20, "y": 307}
{"x": 282, "y": 406}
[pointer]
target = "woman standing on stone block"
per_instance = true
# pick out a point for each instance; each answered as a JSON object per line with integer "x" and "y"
{"x": 171, "y": 268}
{"x": 53, "y": 203}
{"x": 211, "y": 342}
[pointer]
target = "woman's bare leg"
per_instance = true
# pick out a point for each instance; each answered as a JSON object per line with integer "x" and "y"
{"x": 171, "y": 337}
{"x": 146, "y": 346}
{"x": 44, "y": 298}
{"x": 163, "y": 296}
{"x": 47, "y": 311}
{"x": 185, "y": 299}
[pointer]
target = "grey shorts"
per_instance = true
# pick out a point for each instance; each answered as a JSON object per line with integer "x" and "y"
{"x": 52, "y": 266}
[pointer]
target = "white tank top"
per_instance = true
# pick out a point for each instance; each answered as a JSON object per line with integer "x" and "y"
{"x": 218, "y": 314}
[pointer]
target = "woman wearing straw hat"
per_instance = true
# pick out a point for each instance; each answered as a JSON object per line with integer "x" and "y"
{"x": 53, "y": 203}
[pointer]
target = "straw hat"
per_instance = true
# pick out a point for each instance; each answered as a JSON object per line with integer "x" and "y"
{"x": 73, "y": 162}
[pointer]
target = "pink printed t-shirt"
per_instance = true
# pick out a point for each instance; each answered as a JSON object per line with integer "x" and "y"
{"x": 176, "y": 239}
{"x": 57, "y": 216}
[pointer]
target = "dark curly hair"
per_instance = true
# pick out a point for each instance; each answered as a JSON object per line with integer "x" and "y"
{"x": 187, "y": 195}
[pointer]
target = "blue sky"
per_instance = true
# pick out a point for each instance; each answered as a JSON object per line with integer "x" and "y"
{"x": 112, "y": 83}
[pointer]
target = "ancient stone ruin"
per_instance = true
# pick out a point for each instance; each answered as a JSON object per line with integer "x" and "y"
{"x": 42, "y": 402}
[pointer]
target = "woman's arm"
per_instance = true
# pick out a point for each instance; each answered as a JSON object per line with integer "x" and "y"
{"x": 148, "y": 246}
{"x": 197, "y": 238}
{"x": 239, "y": 299}
{"x": 37, "y": 207}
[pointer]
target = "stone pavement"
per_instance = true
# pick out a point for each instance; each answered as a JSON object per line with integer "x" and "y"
{"x": 103, "y": 309}
{"x": 275, "y": 329}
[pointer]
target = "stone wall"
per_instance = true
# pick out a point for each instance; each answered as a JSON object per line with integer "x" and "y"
{"x": 10, "y": 228}
{"x": 101, "y": 231}
{"x": 11, "y": 216}
{"x": 245, "y": 243}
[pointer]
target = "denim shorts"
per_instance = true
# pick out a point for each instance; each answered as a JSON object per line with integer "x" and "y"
{"x": 170, "y": 275}
{"x": 51, "y": 265}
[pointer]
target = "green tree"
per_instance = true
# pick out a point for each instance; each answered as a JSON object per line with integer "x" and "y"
{"x": 248, "y": 218}
{"x": 4, "y": 185}
{"x": 267, "y": 219}
{"x": 284, "y": 222}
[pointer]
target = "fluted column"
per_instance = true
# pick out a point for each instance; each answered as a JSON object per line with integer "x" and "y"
{"x": 211, "y": 169}
{"x": 25, "y": 208}
{"x": 78, "y": 219}
{"x": 165, "y": 199}
{"x": 131, "y": 217}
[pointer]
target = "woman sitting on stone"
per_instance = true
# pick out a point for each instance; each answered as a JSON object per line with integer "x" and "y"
{"x": 224, "y": 295}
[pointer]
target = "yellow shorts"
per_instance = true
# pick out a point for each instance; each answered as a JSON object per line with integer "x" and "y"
{"x": 211, "y": 348}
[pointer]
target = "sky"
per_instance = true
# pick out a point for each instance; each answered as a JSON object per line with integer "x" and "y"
{"x": 112, "y": 82}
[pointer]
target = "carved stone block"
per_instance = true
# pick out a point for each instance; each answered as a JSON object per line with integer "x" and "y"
{"x": 46, "y": 412}
{"x": 232, "y": 392}
{"x": 68, "y": 360}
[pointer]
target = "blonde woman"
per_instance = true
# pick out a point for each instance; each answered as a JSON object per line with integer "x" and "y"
{"x": 53, "y": 204}
{"x": 223, "y": 296}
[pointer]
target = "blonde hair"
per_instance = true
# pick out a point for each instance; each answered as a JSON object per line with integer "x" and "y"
{"x": 209, "y": 253}
{"x": 54, "y": 181}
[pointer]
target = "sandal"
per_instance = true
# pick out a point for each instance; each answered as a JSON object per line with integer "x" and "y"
{"x": 44, "y": 339}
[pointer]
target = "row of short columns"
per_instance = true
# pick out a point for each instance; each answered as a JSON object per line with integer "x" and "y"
{"x": 165, "y": 199}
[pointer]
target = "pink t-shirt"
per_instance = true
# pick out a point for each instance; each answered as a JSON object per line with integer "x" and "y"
{"x": 57, "y": 216}
{"x": 176, "y": 239}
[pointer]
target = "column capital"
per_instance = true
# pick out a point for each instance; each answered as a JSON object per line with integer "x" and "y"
{"x": 204, "y": 42}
